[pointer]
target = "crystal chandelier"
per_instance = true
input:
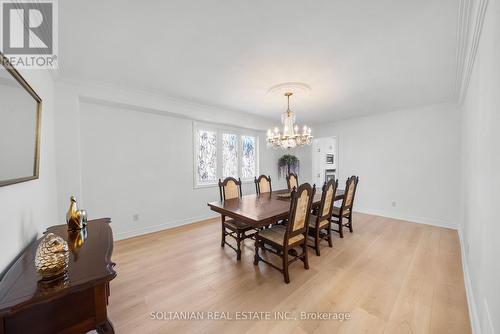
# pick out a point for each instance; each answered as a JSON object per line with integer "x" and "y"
{"x": 291, "y": 137}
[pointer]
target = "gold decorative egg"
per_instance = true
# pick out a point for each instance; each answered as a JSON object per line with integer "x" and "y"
{"x": 52, "y": 256}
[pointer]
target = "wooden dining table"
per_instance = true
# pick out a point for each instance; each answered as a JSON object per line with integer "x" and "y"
{"x": 261, "y": 210}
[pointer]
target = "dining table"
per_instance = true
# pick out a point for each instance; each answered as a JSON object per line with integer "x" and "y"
{"x": 263, "y": 209}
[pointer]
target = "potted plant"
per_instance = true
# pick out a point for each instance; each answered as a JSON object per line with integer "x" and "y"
{"x": 288, "y": 163}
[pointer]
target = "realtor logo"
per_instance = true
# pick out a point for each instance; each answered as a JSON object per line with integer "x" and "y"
{"x": 29, "y": 33}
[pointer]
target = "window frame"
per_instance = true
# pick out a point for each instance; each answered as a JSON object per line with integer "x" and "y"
{"x": 220, "y": 130}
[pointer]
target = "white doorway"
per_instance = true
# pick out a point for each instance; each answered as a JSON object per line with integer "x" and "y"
{"x": 325, "y": 160}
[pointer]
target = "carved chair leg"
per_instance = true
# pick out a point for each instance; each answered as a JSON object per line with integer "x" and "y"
{"x": 238, "y": 242}
{"x": 350, "y": 223}
{"x": 256, "y": 257}
{"x": 223, "y": 240}
{"x": 286, "y": 276}
{"x": 329, "y": 231}
{"x": 306, "y": 258}
{"x": 316, "y": 242}
{"x": 341, "y": 225}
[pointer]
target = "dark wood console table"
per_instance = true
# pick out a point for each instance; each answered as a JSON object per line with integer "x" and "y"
{"x": 74, "y": 304}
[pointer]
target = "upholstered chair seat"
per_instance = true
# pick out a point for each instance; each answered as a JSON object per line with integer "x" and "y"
{"x": 336, "y": 212}
{"x": 312, "y": 222}
{"x": 276, "y": 234}
{"x": 236, "y": 225}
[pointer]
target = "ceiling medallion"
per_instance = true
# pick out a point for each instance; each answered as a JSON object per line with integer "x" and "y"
{"x": 290, "y": 137}
{"x": 298, "y": 88}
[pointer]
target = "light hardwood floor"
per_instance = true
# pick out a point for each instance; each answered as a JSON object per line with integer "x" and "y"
{"x": 392, "y": 276}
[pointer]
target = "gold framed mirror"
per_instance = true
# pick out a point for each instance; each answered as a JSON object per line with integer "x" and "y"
{"x": 20, "y": 125}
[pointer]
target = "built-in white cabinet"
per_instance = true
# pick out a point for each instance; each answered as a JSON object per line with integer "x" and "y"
{"x": 324, "y": 160}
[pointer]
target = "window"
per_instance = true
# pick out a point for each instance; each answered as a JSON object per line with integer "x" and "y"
{"x": 220, "y": 153}
{"x": 207, "y": 157}
{"x": 229, "y": 155}
{"x": 247, "y": 157}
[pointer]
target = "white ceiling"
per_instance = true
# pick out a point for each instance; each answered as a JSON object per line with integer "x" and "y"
{"x": 359, "y": 57}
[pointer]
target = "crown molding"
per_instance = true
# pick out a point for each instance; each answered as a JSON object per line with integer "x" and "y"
{"x": 462, "y": 41}
{"x": 152, "y": 102}
{"x": 471, "y": 15}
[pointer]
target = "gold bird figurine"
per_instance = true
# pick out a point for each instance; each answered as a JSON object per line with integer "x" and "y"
{"x": 76, "y": 219}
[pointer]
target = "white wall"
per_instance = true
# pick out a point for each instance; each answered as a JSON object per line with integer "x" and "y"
{"x": 480, "y": 227}
{"x": 124, "y": 157}
{"x": 134, "y": 162}
{"x": 28, "y": 208}
{"x": 69, "y": 98}
{"x": 410, "y": 157}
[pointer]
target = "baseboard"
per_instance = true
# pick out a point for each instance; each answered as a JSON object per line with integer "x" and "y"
{"x": 412, "y": 219}
{"x": 471, "y": 301}
{"x": 160, "y": 227}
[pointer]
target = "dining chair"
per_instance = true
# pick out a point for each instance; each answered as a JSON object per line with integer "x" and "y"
{"x": 283, "y": 239}
{"x": 229, "y": 189}
{"x": 292, "y": 181}
{"x": 345, "y": 210}
{"x": 263, "y": 184}
{"x": 320, "y": 224}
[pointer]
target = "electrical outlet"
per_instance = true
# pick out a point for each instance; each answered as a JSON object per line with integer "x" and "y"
{"x": 135, "y": 217}
{"x": 393, "y": 204}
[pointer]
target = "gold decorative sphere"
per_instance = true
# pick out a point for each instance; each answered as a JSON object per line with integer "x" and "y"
{"x": 52, "y": 256}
